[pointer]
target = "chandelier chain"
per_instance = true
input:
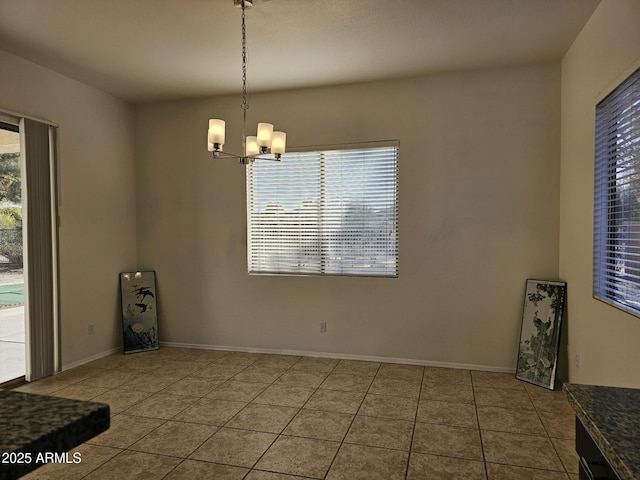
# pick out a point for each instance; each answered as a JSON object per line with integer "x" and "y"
{"x": 266, "y": 142}
{"x": 245, "y": 105}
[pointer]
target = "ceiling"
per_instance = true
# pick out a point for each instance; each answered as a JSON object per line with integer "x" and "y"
{"x": 145, "y": 50}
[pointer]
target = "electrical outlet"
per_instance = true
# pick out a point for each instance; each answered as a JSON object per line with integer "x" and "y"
{"x": 577, "y": 362}
{"x": 91, "y": 329}
{"x": 323, "y": 327}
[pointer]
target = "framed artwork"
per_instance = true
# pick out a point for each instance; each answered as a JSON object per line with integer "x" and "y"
{"x": 139, "y": 319}
{"x": 540, "y": 332}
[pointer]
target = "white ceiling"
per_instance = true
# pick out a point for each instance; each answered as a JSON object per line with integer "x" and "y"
{"x": 143, "y": 50}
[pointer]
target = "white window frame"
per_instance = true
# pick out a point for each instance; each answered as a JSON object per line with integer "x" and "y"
{"x": 330, "y": 210}
{"x": 616, "y": 251}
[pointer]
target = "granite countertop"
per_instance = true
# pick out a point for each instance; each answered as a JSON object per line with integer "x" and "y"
{"x": 40, "y": 424}
{"x": 612, "y": 416}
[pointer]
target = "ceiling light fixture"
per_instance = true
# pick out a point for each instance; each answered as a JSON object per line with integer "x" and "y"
{"x": 266, "y": 142}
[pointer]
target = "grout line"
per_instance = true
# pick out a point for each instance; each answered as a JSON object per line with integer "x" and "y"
{"x": 415, "y": 422}
{"x": 475, "y": 407}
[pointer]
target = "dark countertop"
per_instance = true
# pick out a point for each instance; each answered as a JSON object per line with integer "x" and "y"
{"x": 39, "y": 424}
{"x": 612, "y": 416}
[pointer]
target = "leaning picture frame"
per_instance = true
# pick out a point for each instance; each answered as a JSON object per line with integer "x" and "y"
{"x": 540, "y": 332}
{"x": 139, "y": 314}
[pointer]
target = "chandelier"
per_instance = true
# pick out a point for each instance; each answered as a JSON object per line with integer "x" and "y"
{"x": 267, "y": 144}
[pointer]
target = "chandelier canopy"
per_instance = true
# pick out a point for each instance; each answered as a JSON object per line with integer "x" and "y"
{"x": 267, "y": 144}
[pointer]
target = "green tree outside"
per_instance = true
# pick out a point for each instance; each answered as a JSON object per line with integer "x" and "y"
{"x": 10, "y": 209}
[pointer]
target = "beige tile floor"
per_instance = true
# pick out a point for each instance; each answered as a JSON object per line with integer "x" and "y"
{"x": 202, "y": 414}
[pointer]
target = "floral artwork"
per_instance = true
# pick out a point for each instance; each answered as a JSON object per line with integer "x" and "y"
{"x": 540, "y": 333}
{"x": 139, "y": 319}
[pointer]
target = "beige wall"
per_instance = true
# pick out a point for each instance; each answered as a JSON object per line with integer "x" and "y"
{"x": 479, "y": 201}
{"x": 97, "y": 234}
{"x": 604, "y": 338}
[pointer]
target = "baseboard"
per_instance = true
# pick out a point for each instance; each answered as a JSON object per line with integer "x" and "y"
{"x": 69, "y": 366}
{"x": 343, "y": 356}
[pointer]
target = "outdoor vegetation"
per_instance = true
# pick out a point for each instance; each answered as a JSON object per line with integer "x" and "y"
{"x": 10, "y": 210}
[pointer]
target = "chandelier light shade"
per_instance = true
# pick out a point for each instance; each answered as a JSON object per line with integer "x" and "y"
{"x": 216, "y": 133}
{"x": 265, "y": 134}
{"x": 251, "y": 146}
{"x": 278, "y": 143}
{"x": 267, "y": 144}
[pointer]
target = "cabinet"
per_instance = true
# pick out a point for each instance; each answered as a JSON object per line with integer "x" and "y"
{"x": 593, "y": 464}
{"x": 607, "y": 431}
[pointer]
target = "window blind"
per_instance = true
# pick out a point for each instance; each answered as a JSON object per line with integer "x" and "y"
{"x": 616, "y": 265}
{"x": 325, "y": 212}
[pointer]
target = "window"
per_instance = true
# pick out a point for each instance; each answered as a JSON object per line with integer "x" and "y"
{"x": 616, "y": 265}
{"x": 329, "y": 212}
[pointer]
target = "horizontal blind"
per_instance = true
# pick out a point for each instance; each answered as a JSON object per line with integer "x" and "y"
{"x": 616, "y": 265}
{"x": 284, "y": 215}
{"x": 326, "y": 212}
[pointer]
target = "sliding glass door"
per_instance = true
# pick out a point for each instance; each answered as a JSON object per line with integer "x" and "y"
{"x": 12, "y": 320}
{"x": 29, "y": 307}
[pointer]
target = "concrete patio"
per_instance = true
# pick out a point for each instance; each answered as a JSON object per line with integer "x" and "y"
{"x": 12, "y": 354}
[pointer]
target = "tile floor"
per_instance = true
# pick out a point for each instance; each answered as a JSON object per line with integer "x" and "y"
{"x": 192, "y": 414}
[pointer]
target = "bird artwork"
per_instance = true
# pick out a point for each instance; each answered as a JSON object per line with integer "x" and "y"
{"x": 142, "y": 292}
{"x": 140, "y": 329}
